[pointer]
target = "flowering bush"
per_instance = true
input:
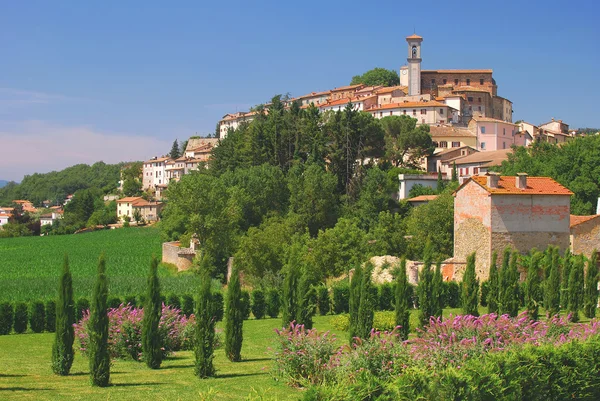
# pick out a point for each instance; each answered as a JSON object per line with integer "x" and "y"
{"x": 125, "y": 331}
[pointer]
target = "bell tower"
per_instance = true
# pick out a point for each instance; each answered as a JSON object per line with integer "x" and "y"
{"x": 414, "y": 64}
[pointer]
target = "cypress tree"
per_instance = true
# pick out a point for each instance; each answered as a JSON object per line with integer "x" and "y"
{"x": 438, "y": 291}
{"x": 290, "y": 285}
{"x": 174, "y": 153}
{"x": 454, "y": 172}
{"x": 20, "y": 320}
{"x": 494, "y": 285}
{"x": 6, "y": 318}
{"x": 205, "y": 328}
{"x": 354, "y": 302}
{"x": 62, "y": 349}
{"x": 565, "y": 276}
{"x": 440, "y": 181}
{"x": 306, "y": 301}
{"x": 366, "y": 307}
{"x": 576, "y": 290}
{"x": 590, "y": 302}
{"x": 50, "y": 316}
{"x": 98, "y": 327}
{"x": 187, "y": 304}
{"x": 234, "y": 319}
{"x": 552, "y": 299}
{"x": 504, "y": 283}
{"x": 151, "y": 345}
{"x": 512, "y": 290}
{"x": 37, "y": 317}
{"x": 470, "y": 288}
{"x": 424, "y": 289}
{"x": 259, "y": 305}
{"x": 533, "y": 290}
{"x": 402, "y": 301}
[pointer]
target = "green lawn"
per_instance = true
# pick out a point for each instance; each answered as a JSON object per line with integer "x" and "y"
{"x": 29, "y": 266}
{"x": 25, "y": 372}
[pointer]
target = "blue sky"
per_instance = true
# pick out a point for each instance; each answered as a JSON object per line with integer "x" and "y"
{"x": 116, "y": 80}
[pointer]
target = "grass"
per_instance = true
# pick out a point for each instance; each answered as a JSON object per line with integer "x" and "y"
{"x": 30, "y": 266}
{"x": 25, "y": 372}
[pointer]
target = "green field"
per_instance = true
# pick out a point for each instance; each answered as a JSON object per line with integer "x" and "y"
{"x": 29, "y": 266}
{"x": 25, "y": 372}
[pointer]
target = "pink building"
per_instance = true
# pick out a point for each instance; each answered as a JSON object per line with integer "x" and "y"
{"x": 493, "y": 134}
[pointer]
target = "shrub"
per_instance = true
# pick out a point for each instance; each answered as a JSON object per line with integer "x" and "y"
{"x": 37, "y": 317}
{"x": 6, "y": 318}
{"x": 382, "y": 321}
{"x": 142, "y": 299}
{"x": 273, "y": 302}
{"x": 50, "y": 316}
{"x": 114, "y": 302}
{"x": 187, "y": 305}
{"x": 218, "y": 305}
{"x": 451, "y": 294}
{"x": 245, "y": 304}
{"x": 82, "y": 305}
{"x": 323, "y": 300}
{"x": 259, "y": 305}
{"x": 341, "y": 298}
{"x": 173, "y": 301}
{"x": 386, "y": 296}
{"x": 130, "y": 300}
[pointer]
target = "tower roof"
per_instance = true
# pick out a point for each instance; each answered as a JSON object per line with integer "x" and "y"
{"x": 414, "y": 36}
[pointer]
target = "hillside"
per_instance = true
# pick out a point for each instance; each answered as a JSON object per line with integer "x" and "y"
{"x": 3, "y": 183}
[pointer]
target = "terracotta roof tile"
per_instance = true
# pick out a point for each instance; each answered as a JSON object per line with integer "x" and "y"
{"x": 444, "y": 130}
{"x": 414, "y": 36}
{"x": 387, "y": 89}
{"x": 348, "y": 87}
{"x": 422, "y": 198}
{"x": 457, "y": 71}
{"x": 408, "y": 105}
{"x": 576, "y": 220}
{"x": 535, "y": 186}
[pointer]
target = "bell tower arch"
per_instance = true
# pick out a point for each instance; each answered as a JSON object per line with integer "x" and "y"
{"x": 414, "y": 64}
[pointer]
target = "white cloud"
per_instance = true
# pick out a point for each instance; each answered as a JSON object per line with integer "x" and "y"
{"x": 37, "y": 147}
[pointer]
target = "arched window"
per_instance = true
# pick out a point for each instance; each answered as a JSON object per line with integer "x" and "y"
{"x": 414, "y": 51}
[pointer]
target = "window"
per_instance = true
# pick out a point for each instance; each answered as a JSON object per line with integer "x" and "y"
{"x": 441, "y": 112}
{"x": 479, "y": 99}
{"x": 443, "y": 144}
{"x": 404, "y": 111}
{"x": 468, "y": 81}
{"x": 479, "y": 108}
{"x": 482, "y": 145}
{"x": 503, "y": 131}
{"x": 456, "y": 82}
{"x": 456, "y": 144}
{"x": 414, "y": 112}
{"x": 390, "y": 113}
{"x": 503, "y": 145}
{"x": 381, "y": 114}
{"x": 475, "y": 170}
{"x": 470, "y": 99}
{"x": 460, "y": 171}
{"x": 433, "y": 81}
{"x": 481, "y": 81}
{"x": 423, "y": 111}
{"x": 483, "y": 130}
{"x": 445, "y": 80}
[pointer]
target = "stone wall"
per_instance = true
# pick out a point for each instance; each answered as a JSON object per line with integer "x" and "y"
{"x": 170, "y": 254}
{"x": 585, "y": 237}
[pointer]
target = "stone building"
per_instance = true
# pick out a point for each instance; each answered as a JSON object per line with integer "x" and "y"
{"x": 585, "y": 234}
{"x": 494, "y": 212}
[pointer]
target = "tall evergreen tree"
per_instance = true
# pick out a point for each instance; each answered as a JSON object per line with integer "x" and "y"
{"x": 504, "y": 282}
{"x": 533, "y": 289}
{"x": 454, "y": 172}
{"x": 440, "y": 181}
{"x": 565, "y": 276}
{"x": 205, "y": 328}
{"x": 354, "y": 302}
{"x": 425, "y": 288}
{"x": 511, "y": 291}
{"x": 590, "y": 302}
{"x": 306, "y": 300}
{"x": 552, "y": 287}
{"x": 151, "y": 344}
{"x": 366, "y": 307}
{"x": 576, "y": 290}
{"x": 234, "y": 319}
{"x": 62, "y": 349}
{"x": 470, "y": 288}
{"x": 290, "y": 293}
{"x": 494, "y": 290}
{"x": 98, "y": 327}
{"x": 438, "y": 291}
{"x": 174, "y": 154}
{"x": 402, "y": 302}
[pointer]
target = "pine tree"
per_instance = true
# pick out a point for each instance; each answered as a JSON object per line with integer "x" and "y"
{"x": 438, "y": 291}
{"x": 591, "y": 287}
{"x": 62, "y": 349}
{"x": 504, "y": 283}
{"x": 98, "y": 327}
{"x": 366, "y": 307}
{"x": 470, "y": 288}
{"x": 565, "y": 273}
{"x": 174, "y": 154}
{"x": 494, "y": 286}
{"x": 552, "y": 288}
{"x": 402, "y": 301}
{"x": 306, "y": 301}
{"x": 354, "y": 301}
{"x": 205, "y": 328}
{"x": 533, "y": 288}
{"x": 424, "y": 289}
{"x": 151, "y": 345}
{"x": 234, "y": 319}
{"x": 576, "y": 289}
{"x": 454, "y": 172}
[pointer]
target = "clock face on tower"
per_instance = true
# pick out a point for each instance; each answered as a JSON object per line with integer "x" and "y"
{"x": 404, "y": 72}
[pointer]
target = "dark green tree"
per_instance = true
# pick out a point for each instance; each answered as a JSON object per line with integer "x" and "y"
{"x": 98, "y": 328}
{"x": 454, "y": 172}
{"x": 306, "y": 302}
{"x": 37, "y": 317}
{"x": 440, "y": 181}
{"x": 405, "y": 142}
{"x": 259, "y": 305}
{"x": 377, "y": 77}
{"x": 427, "y": 303}
{"x": 20, "y": 321}
{"x": 567, "y": 263}
{"x": 576, "y": 289}
{"x": 354, "y": 302}
{"x": 62, "y": 349}
{"x": 533, "y": 293}
{"x": 6, "y": 318}
{"x": 290, "y": 291}
{"x": 402, "y": 301}
{"x": 470, "y": 288}
{"x": 438, "y": 291}
{"x": 50, "y": 312}
{"x": 504, "y": 282}
{"x": 234, "y": 319}
{"x": 151, "y": 344}
{"x": 205, "y": 329}
{"x": 273, "y": 302}
{"x": 494, "y": 285}
{"x": 590, "y": 302}
{"x": 174, "y": 153}
{"x": 552, "y": 285}
{"x": 511, "y": 291}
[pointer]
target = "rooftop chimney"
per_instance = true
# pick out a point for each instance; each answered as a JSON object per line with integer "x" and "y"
{"x": 492, "y": 180}
{"x": 521, "y": 180}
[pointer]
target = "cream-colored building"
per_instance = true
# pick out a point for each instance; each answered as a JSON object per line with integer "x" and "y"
{"x": 448, "y": 137}
{"x": 431, "y": 112}
{"x": 149, "y": 211}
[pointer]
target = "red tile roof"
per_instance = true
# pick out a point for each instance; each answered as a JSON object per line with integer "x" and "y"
{"x": 422, "y": 198}
{"x": 535, "y": 186}
{"x": 457, "y": 71}
{"x": 576, "y": 220}
{"x": 349, "y": 87}
{"x": 414, "y": 36}
{"x": 408, "y": 105}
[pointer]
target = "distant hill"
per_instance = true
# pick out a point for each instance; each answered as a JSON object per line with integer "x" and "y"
{"x": 3, "y": 183}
